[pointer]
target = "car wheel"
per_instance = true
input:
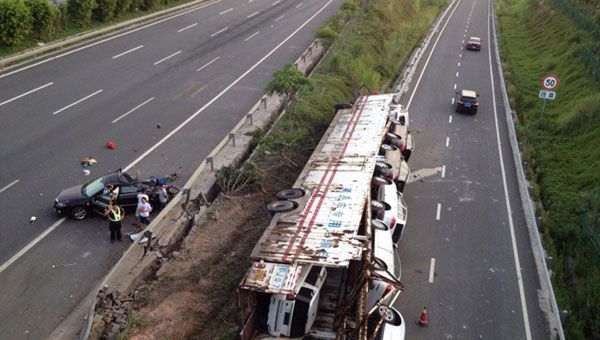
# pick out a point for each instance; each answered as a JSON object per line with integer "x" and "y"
{"x": 379, "y": 181}
{"x": 379, "y": 264}
{"x": 290, "y": 194}
{"x": 280, "y": 206}
{"x": 378, "y": 205}
{"x": 387, "y": 314}
{"x": 79, "y": 213}
{"x": 379, "y": 225}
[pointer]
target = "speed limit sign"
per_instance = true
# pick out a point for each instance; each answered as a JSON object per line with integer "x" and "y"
{"x": 550, "y": 82}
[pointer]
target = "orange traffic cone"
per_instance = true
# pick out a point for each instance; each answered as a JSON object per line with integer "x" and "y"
{"x": 110, "y": 144}
{"x": 423, "y": 319}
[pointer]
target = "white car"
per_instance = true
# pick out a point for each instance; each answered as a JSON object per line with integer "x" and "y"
{"x": 395, "y": 168}
{"x": 389, "y": 207}
{"x": 387, "y": 264}
{"x": 293, "y": 316}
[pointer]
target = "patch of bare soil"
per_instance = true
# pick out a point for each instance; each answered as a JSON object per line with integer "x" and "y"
{"x": 194, "y": 293}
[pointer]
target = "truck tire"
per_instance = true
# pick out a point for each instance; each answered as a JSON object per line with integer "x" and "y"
{"x": 290, "y": 194}
{"x": 280, "y": 206}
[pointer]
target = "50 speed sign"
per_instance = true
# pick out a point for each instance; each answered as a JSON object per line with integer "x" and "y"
{"x": 550, "y": 82}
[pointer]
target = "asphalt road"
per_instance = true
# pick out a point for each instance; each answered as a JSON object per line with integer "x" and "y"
{"x": 466, "y": 237}
{"x": 211, "y": 63}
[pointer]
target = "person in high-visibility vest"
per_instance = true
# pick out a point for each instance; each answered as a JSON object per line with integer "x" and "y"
{"x": 115, "y": 215}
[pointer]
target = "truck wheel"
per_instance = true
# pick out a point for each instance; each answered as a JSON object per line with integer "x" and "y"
{"x": 79, "y": 213}
{"x": 280, "y": 206}
{"x": 290, "y": 194}
{"x": 342, "y": 106}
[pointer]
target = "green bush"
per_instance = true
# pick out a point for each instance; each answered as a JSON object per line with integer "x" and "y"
{"x": 15, "y": 21}
{"x": 136, "y": 5}
{"x": 150, "y": 4}
{"x": 104, "y": 10}
{"x": 123, "y": 6}
{"x": 44, "y": 15}
{"x": 327, "y": 35}
{"x": 80, "y": 11}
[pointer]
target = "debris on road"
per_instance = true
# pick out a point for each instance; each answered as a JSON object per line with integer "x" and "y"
{"x": 88, "y": 161}
{"x": 86, "y": 172}
{"x": 111, "y": 145}
{"x": 32, "y": 219}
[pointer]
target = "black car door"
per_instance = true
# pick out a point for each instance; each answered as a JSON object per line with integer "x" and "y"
{"x": 128, "y": 195}
{"x": 100, "y": 203}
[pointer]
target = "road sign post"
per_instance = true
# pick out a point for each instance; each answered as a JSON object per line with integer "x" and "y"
{"x": 549, "y": 83}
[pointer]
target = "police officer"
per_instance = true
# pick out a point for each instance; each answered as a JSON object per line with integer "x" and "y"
{"x": 115, "y": 215}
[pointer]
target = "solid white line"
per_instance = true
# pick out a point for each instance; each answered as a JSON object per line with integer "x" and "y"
{"x": 107, "y": 39}
{"x": 77, "y": 102}
{"x": 450, "y": 119}
{"x": 220, "y": 94}
{"x": 226, "y": 11}
{"x": 457, "y": 74}
{"x": 455, "y": 86}
{"x": 281, "y": 17}
{"x": 130, "y": 111}
{"x": 438, "y": 212}
{"x": 505, "y": 187}
{"x": 9, "y": 185}
{"x": 187, "y": 27}
{"x": 26, "y": 93}
{"x": 252, "y": 36}
{"x": 298, "y": 5}
{"x": 210, "y": 62}
{"x": 447, "y": 141}
{"x": 31, "y": 244}
{"x": 218, "y": 32}
{"x": 431, "y": 269}
{"x": 276, "y": 2}
{"x": 128, "y": 51}
{"x": 429, "y": 57}
{"x": 251, "y": 15}
{"x": 168, "y": 57}
{"x": 452, "y": 101}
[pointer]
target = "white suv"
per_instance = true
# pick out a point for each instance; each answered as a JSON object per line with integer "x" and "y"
{"x": 389, "y": 207}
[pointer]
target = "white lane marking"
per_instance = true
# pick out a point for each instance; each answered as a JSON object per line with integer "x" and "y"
{"x": 9, "y": 185}
{"x": 220, "y": 94}
{"x": 281, "y": 17}
{"x": 210, "y": 62}
{"x": 219, "y": 32}
{"x": 457, "y": 74}
{"x": 167, "y": 57}
{"x": 31, "y": 244}
{"x": 77, "y": 102}
{"x": 465, "y": 30}
{"x": 252, "y": 36}
{"x": 459, "y": 64}
{"x": 455, "y": 86}
{"x": 452, "y": 101}
{"x": 276, "y": 2}
{"x": 226, "y": 11}
{"x": 505, "y": 187}
{"x": 186, "y": 27}
{"x": 298, "y": 5}
{"x": 429, "y": 58}
{"x": 460, "y": 55}
{"x": 253, "y": 14}
{"x": 431, "y": 269}
{"x": 26, "y": 93}
{"x": 447, "y": 141}
{"x": 438, "y": 212}
{"x": 463, "y": 40}
{"x": 107, "y": 39}
{"x": 450, "y": 119}
{"x": 443, "y": 171}
{"x": 128, "y": 51}
{"x": 130, "y": 111}
{"x": 461, "y": 48}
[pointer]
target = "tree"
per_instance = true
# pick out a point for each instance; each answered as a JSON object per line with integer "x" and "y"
{"x": 289, "y": 81}
{"x": 44, "y": 15}
{"x": 80, "y": 11}
{"x": 15, "y": 21}
{"x": 105, "y": 10}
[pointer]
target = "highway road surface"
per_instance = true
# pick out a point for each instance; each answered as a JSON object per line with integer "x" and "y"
{"x": 466, "y": 253}
{"x": 195, "y": 73}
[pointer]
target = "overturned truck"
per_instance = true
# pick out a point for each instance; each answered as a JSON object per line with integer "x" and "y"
{"x": 326, "y": 266}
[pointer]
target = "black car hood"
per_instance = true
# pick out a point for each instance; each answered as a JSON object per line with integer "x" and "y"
{"x": 72, "y": 194}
